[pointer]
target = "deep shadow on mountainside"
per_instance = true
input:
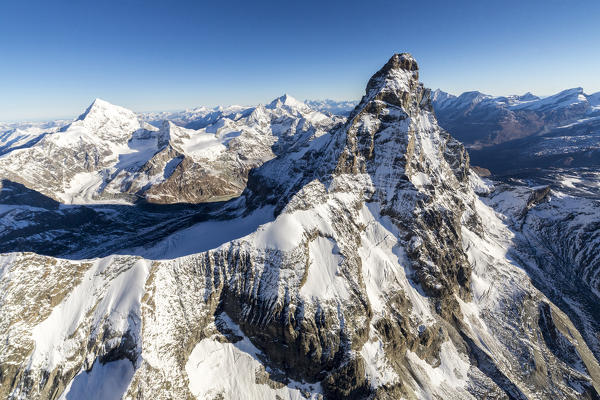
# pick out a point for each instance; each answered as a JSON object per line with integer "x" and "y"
{"x": 33, "y": 222}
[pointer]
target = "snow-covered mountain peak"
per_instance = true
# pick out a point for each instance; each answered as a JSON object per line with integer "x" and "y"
{"x": 575, "y": 94}
{"x": 103, "y": 109}
{"x": 335, "y": 107}
{"x": 177, "y": 133}
{"x": 567, "y": 93}
{"x": 287, "y": 101}
{"x": 440, "y": 95}
{"x": 481, "y": 120}
{"x": 290, "y": 101}
{"x": 396, "y": 89}
{"x": 396, "y": 117}
{"x": 565, "y": 99}
{"x": 104, "y": 121}
{"x": 399, "y": 74}
{"x": 402, "y": 61}
{"x": 258, "y": 114}
{"x": 528, "y": 97}
{"x": 473, "y": 97}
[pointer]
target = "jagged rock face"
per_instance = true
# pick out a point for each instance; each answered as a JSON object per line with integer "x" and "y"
{"x": 109, "y": 155}
{"x": 394, "y": 138}
{"x": 380, "y": 275}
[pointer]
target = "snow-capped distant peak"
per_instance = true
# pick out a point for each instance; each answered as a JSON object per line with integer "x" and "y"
{"x": 103, "y": 109}
{"x": 474, "y": 96}
{"x": 101, "y": 120}
{"x": 566, "y": 98}
{"x": 258, "y": 114}
{"x": 286, "y": 100}
{"x": 528, "y": 97}
{"x": 439, "y": 95}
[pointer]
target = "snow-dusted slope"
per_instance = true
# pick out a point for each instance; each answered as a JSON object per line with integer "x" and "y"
{"x": 555, "y": 217}
{"x": 215, "y": 160}
{"x": 110, "y": 155}
{"x": 24, "y": 134}
{"x": 565, "y": 99}
{"x": 381, "y": 274}
{"x": 574, "y": 145}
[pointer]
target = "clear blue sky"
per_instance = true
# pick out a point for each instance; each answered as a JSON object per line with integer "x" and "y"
{"x": 57, "y": 56}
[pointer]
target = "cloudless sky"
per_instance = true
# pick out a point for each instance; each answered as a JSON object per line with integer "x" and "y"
{"x": 57, "y": 56}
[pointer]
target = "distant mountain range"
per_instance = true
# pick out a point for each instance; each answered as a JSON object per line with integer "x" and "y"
{"x": 481, "y": 120}
{"x": 511, "y": 134}
{"x": 110, "y": 154}
{"x": 503, "y": 134}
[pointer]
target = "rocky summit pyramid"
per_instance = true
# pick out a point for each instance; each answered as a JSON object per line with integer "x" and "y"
{"x": 378, "y": 273}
